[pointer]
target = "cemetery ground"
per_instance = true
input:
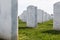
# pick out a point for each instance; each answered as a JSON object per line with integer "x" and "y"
{"x": 43, "y": 31}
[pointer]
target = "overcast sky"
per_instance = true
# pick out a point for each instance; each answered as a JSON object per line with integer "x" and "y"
{"x": 46, "y": 5}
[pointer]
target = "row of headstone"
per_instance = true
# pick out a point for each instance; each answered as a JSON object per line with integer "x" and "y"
{"x": 32, "y": 16}
{"x": 8, "y": 19}
{"x": 41, "y": 16}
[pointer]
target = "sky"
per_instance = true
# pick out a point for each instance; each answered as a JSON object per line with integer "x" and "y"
{"x": 46, "y": 5}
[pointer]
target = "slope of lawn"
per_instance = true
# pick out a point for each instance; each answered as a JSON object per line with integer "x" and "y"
{"x": 43, "y": 31}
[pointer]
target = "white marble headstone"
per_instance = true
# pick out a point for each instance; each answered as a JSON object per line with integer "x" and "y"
{"x": 8, "y": 19}
{"x": 48, "y": 16}
{"x": 31, "y": 16}
{"x": 44, "y": 16}
{"x": 23, "y": 16}
{"x": 56, "y": 23}
{"x": 39, "y": 16}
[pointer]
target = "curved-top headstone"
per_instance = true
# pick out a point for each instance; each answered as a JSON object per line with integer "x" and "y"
{"x": 56, "y": 24}
{"x": 31, "y": 16}
{"x": 8, "y": 19}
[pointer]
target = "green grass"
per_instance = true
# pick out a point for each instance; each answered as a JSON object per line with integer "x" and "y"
{"x": 43, "y": 31}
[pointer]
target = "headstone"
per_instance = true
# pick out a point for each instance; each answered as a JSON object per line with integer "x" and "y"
{"x": 8, "y": 19}
{"x": 44, "y": 16}
{"x": 31, "y": 16}
{"x": 56, "y": 23}
{"x": 48, "y": 17}
{"x": 39, "y": 16}
{"x": 23, "y": 16}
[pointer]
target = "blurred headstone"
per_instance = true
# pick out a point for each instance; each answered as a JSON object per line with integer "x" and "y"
{"x": 8, "y": 19}
{"x": 39, "y": 16}
{"x": 56, "y": 23}
{"x": 23, "y": 16}
{"x": 31, "y": 16}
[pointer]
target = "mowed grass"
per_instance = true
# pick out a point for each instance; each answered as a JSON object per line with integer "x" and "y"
{"x": 43, "y": 31}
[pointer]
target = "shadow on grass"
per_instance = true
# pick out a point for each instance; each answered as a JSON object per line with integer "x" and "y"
{"x": 52, "y": 32}
{"x": 25, "y": 28}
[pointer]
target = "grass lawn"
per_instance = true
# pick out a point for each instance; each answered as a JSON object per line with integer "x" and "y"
{"x": 43, "y": 31}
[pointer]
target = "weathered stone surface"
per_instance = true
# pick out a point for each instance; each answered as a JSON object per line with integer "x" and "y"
{"x": 8, "y": 19}
{"x": 31, "y": 16}
{"x": 56, "y": 23}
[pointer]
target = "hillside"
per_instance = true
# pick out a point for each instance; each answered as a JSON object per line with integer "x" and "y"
{"x": 43, "y": 31}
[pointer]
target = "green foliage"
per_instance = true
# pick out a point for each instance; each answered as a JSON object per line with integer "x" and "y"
{"x": 43, "y": 31}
